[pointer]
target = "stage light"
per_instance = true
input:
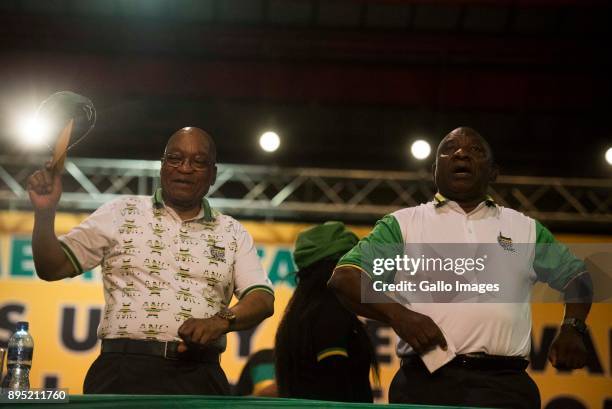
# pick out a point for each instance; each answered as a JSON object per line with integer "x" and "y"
{"x": 269, "y": 141}
{"x": 609, "y": 156}
{"x": 33, "y": 131}
{"x": 420, "y": 149}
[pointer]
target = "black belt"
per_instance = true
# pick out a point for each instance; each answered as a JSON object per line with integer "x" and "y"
{"x": 167, "y": 350}
{"x": 475, "y": 361}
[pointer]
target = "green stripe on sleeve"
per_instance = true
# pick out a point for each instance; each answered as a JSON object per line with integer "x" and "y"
{"x": 78, "y": 270}
{"x": 257, "y": 288}
{"x": 553, "y": 262}
{"x": 384, "y": 241}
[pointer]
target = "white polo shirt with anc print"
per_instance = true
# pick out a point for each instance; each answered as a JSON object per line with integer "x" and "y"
{"x": 158, "y": 270}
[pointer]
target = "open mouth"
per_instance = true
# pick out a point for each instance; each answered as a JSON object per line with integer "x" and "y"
{"x": 462, "y": 169}
{"x": 182, "y": 182}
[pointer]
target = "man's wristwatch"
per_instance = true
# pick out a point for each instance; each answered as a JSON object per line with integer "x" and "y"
{"x": 226, "y": 314}
{"x": 575, "y": 323}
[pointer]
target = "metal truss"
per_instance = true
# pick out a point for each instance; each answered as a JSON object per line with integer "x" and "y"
{"x": 307, "y": 193}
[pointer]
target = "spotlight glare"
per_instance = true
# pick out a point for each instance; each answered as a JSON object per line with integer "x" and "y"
{"x": 269, "y": 141}
{"x": 609, "y": 156}
{"x": 33, "y": 130}
{"x": 420, "y": 149}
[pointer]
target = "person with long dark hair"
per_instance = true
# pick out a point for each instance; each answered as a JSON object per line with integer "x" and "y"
{"x": 322, "y": 349}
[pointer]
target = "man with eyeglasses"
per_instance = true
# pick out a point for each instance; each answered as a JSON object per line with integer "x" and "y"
{"x": 170, "y": 266}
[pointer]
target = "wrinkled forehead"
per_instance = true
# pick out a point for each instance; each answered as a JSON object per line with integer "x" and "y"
{"x": 189, "y": 142}
{"x": 466, "y": 135}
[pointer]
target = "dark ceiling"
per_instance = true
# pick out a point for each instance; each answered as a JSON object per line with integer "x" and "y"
{"x": 345, "y": 83}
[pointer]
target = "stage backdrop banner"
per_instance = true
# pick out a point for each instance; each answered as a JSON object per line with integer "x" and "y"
{"x": 64, "y": 317}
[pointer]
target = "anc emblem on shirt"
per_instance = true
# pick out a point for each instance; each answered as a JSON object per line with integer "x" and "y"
{"x": 157, "y": 229}
{"x": 184, "y": 276}
{"x": 154, "y": 266}
{"x": 183, "y": 314}
{"x": 155, "y": 287}
{"x": 184, "y": 255}
{"x": 212, "y": 278}
{"x": 217, "y": 253}
{"x": 156, "y": 246}
{"x": 108, "y": 311}
{"x": 107, "y": 268}
{"x": 125, "y": 312}
{"x": 128, "y": 247}
{"x": 127, "y": 268}
{"x": 154, "y": 308}
{"x": 210, "y": 301}
{"x": 129, "y": 290}
{"x": 186, "y": 295}
{"x": 130, "y": 208}
{"x": 129, "y": 226}
{"x": 505, "y": 243}
{"x": 122, "y": 331}
{"x": 151, "y": 331}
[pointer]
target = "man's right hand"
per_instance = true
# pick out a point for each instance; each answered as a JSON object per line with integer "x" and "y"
{"x": 45, "y": 188}
{"x": 418, "y": 330}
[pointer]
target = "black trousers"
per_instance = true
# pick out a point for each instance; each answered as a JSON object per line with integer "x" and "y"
{"x": 449, "y": 385}
{"x": 120, "y": 373}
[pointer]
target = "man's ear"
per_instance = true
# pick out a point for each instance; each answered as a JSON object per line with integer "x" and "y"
{"x": 494, "y": 173}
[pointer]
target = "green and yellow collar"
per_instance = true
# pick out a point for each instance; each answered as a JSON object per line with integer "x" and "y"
{"x": 158, "y": 203}
{"x": 440, "y": 200}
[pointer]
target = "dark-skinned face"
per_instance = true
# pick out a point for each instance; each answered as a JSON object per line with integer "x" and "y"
{"x": 185, "y": 185}
{"x": 464, "y": 166}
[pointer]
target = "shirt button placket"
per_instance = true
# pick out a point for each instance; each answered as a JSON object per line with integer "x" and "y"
{"x": 469, "y": 228}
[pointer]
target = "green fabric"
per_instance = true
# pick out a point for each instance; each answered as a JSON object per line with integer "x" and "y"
{"x": 384, "y": 241}
{"x": 257, "y": 287}
{"x": 78, "y": 270}
{"x": 322, "y": 241}
{"x": 553, "y": 262}
{"x": 212, "y": 402}
{"x": 262, "y": 372}
{"x": 158, "y": 202}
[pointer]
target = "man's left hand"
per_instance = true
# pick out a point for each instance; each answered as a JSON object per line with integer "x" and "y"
{"x": 567, "y": 350}
{"x": 201, "y": 331}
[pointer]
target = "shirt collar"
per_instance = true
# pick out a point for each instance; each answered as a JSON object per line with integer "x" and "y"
{"x": 158, "y": 204}
{"x": 440, "y": 200}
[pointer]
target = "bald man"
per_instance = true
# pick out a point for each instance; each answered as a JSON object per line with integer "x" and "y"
{"x": 170, "y": 266}
{"x": 467, "y": 353}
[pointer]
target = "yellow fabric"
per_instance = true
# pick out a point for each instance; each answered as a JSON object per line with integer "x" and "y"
{"x": 326, "y": 353}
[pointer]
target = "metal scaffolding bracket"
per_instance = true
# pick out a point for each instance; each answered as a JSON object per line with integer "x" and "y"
{"x": 308, "y": 193}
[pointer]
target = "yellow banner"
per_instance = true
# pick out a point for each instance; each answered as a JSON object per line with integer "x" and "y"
{"x": 64, "y": 317}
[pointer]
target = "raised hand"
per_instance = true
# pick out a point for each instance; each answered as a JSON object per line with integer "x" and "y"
{"x": 45, "y": 188}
